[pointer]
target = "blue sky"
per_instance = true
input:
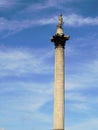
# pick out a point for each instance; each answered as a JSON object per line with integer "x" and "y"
{"x": 27, "y": 63}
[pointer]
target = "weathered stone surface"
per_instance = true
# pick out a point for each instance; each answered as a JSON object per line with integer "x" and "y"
{"x": 59, "y": 89}
{"x": 59, "y": 40}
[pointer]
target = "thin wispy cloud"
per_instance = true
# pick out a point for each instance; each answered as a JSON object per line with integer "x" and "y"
{"x": 89, "y": 124}
{"x": 7, "y": 3}
{"x": 25, "y": 97}
{"x": 73, "y": 96}
{"x": 81, "y": 76}
{"x": 77, "y": 102}
{"x": 44, "y": 5}
{"x": 86, "y": 79}
{"x": 27, "y": 63}
{"x": 21, "y": 62}
{"x": 74, "y": 20}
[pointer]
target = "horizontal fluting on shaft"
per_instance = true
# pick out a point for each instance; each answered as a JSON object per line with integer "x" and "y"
{"x": 59, "y": 40}
{"x": 59, "y": 89}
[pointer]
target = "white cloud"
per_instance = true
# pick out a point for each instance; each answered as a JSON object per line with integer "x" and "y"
{"x": 44, "y": 5}
{"x": 44, "y": 117}
{"x": 13, "y": 26}
{"x": 73, "y": 20}
{"x": 76, "y": 20}
{"x": 26, "y": 98}
{"x": 77, "y": 107}
{"x": 21, "y": 62}
{"x": 7, "y": 3}
{"x": 89, "y": 124}
{"x": 81, "y": 76}
{"x": 77, "y": 102}
{"x": 31, "y": 96}
{"x": 75, "y": 97}
{"x": 85, "y": 75}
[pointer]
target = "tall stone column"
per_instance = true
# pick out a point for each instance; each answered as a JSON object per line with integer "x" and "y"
{"x": 59, "y": 40}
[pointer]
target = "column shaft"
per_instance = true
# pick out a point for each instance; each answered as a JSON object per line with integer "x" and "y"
{"x": 59, "y": 89}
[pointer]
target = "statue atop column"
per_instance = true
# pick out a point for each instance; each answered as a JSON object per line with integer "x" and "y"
{"x": 59, "y": 26}
{"x": 60, "y": 21}
{"x": 60, "y": 38}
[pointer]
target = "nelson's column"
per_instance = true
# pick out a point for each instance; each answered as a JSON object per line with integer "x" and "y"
{"x": 59, "y": 40}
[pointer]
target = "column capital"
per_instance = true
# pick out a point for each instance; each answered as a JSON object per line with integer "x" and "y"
{"x": 59, "y": 40}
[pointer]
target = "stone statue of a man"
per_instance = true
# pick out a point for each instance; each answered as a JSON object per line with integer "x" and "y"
{"x": 60, "y": 21}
